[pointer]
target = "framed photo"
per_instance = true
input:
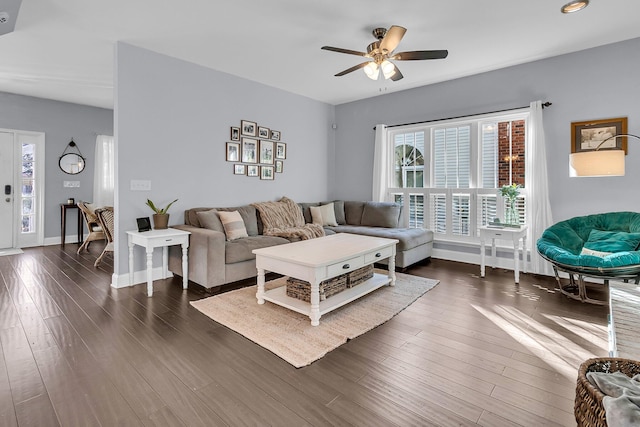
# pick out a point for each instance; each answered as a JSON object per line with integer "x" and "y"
{"x": 238, "y": 169}
{"x": 266, "y": 152}
{"x": 233, "y": 151}
{"x": 249, "y": 150}
{"x": 264, "y": 133}
{"x": 248, "y": 128}
{"x": 143, "y": 224}
{"x": 275, "y": 135}
{"x": 281, "y": 150}
{"x": 279, "y": 166}
{"x": 235, "y": 134}
{"x": 266, "y": 172}
{"x": 587, "y": 136}
{"x": 252, "y": 170}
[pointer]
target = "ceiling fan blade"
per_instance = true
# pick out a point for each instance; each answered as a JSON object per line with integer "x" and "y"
{"x": 420, "y": 54}
{"x": 347, "y": 51}
{"x": 391, "y": 40}
{"x": 352, "y": 69}
{"x": 397, "y": 75}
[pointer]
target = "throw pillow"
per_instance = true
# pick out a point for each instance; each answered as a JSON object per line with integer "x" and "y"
{"x": 600, "y": 254}
{"x": 381, "y": 214}
{"x": 233, "y": 225}
{"x": 209, "y": 219}
{"x": 324, "y": 215}
{"x": 612, "y": 241}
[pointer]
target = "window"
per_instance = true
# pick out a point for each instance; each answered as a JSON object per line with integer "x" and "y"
{"x": 28, "y": 196}
{"x": 448, "y": 174}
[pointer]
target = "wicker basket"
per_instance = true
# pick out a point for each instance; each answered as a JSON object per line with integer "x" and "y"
{"x": 588, "y": 408}
{"x": 360, "y": 275}
{"x": 300, "y": 289}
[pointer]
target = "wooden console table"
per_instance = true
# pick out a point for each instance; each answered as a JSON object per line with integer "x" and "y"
{"x": 624, "y": 317}
{"x": 63, "y": 221}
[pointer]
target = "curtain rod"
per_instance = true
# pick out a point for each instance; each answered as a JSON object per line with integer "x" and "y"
{"x": 544, "y": 105}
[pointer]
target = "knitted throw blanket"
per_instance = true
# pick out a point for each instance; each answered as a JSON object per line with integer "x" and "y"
{"x": 284, "y": 219}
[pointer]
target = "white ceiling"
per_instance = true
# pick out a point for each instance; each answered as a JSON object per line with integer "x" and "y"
{"x": 64, "y": 49}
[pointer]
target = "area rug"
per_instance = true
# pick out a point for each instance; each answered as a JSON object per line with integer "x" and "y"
{"x": 290, "y": 335}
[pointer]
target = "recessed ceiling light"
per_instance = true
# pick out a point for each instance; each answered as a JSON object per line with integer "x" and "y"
{"x": 4, "y": 17}
{"x": 574, "y": 6}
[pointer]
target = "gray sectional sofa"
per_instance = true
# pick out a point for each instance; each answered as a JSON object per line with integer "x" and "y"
{"x": 214, "y": 261}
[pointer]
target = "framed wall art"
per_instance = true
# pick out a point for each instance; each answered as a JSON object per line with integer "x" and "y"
{"x": 249, "y": 150}
{"x": 233, "y": 151}
{"x": 248, "y": 128}
{"x": 264, "y": 133}
{"x": 279, "y": 166}
{"x": 275, "y": 135}
{"x": 238, "y": 169}
{"x": 281, "y": 150}
{"x": 235, "y": 134}
{"x": 587, "y": 136}
{"x": 266, "y": 152}
{"x": 252, "y": 170}
{"x": 266, "y": 172}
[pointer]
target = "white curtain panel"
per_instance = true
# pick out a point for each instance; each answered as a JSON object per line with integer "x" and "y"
{"x": 537, "y": 185}
{"x": 380, "y": 165}
{"x": 104, "y": 179}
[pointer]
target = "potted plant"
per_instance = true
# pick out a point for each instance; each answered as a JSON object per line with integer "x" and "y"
{"x": 510, "y": 194}
{"x": 160, "y": 217}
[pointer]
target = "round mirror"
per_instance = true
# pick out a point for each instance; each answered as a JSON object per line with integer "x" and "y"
{"x": 71, "y": 163}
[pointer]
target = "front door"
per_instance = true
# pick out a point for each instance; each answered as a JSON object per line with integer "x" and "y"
{"x": 7, "y": 160}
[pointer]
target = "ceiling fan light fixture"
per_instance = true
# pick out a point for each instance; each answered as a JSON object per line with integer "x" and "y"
{"x": 574, "y": 6}
{"x": 388, "y": 69}
{"x": 371, "y": 70}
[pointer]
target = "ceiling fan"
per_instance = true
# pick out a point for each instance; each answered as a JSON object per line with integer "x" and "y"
{"x": 381, "y": 52}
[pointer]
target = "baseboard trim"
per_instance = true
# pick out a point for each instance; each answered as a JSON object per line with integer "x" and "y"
{"x": 140, "y": 276}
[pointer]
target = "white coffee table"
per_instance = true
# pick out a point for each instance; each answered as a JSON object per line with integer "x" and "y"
{"x": 320, "y": 259}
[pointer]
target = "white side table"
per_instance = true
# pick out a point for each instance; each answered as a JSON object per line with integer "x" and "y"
{"x": 506, "y": 233}
{"x": 159, "y": 239}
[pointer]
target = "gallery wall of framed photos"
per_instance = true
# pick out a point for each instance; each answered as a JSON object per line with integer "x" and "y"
{"x": 256, "y": 151}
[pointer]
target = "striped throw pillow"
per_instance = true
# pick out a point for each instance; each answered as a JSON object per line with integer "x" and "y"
{"x": 233, "y": 225}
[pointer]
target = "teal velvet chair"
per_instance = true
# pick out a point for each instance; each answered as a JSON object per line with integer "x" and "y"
{"x": 603, "y": 246}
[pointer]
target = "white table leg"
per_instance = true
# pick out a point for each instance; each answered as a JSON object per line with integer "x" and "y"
{"x": 392, "y": 268}
{"x": 524, "y": 253}
{"x": 516, "y": 258}
{"x": 130, "y": 262}
{"x": 482, "y": 256}
{"x": 315, "y": 303}
{"x": 260, "y": 292}
{"x": 149, "y": 271}
{"x": 165, "y": 262}
{"x": 185, "y": 267}
{"x": 493, "y": 252}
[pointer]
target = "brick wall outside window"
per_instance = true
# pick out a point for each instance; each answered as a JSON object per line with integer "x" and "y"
{"x": 517, "y": 159}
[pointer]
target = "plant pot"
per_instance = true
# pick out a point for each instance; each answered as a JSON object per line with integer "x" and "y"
{"x": 160, "y": 221}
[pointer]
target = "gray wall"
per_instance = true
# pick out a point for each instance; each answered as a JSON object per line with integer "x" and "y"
{"x": 592, "y": 84}
{"x": 172, "y": 121}
{"x": 59, "y": 121}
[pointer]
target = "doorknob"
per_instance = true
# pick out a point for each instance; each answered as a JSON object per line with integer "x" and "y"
{"x": 8, "y": 199}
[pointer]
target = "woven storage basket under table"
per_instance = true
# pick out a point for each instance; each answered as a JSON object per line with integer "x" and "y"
{"x": 300, "y": 289}
{"x": 359, "y": 276}
{"x": 588, "y": 409}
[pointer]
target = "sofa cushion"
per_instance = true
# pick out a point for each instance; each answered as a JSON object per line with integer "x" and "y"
{"x": 249, "y": 216}
{"x": 408, "y": 238}
{"x": 323, "y": 215}
{"x": 353, "y": 212}
{"x": 241, "y": 249}
{"x": 338, "y": 207}
{"x": 306, "y": 212}
{"x": 612, "y": 241}
{"x": 210, "y": 220}
{"x": 233, "y": 225}
{"x": 381, "y": 214}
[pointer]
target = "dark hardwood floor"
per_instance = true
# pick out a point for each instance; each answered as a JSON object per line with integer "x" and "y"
{"x": 472, "y": 351}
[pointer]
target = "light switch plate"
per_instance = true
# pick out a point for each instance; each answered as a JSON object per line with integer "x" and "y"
{"x": 140, "y": 185}
{"x": 71, "y": 184}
